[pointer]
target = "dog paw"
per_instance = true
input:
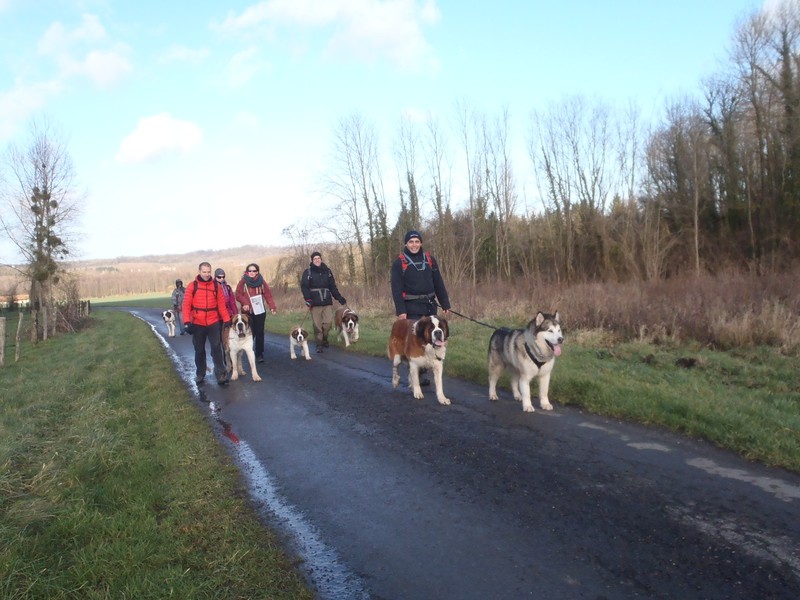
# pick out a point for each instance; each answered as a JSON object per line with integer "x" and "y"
{"x": 256, "y": 377}
{"x": 308, "y": 357}
{"x": 419, "y": 395}
{"x": 234, "y": 376}
{"x": 528, "y": 408}
{"x": 444, "y": 401}
{"x": 545, "y": 404}
{"x": 292, "y": 356}
{"x": 493, "y": 397}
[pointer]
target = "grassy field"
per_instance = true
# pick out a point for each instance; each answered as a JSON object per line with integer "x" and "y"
{"x": 112, "y": 485}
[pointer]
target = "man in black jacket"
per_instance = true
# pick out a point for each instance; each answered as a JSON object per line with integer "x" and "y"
{"x": 417, "y": 283}
{"x": 319, "y": 289}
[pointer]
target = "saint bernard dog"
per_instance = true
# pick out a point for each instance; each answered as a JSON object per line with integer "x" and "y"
{"x": 298, "y": 339}
{"x": 345, "y": 321}
{"x": 169, "y": 320}
{"x": 240, "y": 339}
{"x": 423, "y": 345}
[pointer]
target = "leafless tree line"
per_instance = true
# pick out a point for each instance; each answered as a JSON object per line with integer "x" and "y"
{"x": 714, "y": 184}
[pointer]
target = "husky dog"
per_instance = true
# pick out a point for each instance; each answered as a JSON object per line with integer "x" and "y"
{"x": 526, "y": 353}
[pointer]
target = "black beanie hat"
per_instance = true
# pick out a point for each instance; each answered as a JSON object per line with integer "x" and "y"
{"x": 315, "y": 253}
{"x": 411, "y": 235}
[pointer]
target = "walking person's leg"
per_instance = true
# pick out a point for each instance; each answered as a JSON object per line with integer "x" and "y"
{"x": 215, "y": 341}
{"x": 316, "y": 318}
{"x": 257, "y": 325}
{"x": 326, "y": 321}
{"x": 199, "y": 335}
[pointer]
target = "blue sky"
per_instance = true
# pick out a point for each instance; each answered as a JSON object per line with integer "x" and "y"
{"x": 207, "y": 125}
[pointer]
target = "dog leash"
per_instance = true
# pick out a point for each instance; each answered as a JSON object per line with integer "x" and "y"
{"x": 469, "y": 318}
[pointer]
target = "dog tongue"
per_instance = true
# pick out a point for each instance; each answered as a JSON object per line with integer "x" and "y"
{"x": 557, "y": 350}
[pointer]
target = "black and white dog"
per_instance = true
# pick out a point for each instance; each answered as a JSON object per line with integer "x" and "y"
{"x": 298, "y": 338}
{"x": 169, "y": 320}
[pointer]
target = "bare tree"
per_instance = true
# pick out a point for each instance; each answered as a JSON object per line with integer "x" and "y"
{"x": 42, "y": 211}
{"x": 356, "y": 181}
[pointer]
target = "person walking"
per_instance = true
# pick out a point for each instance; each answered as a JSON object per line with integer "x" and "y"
{"x": 230, "y": 303}
{"x": 417, "y": 284}
{"x": 204, "y": 312}
{"x": 319, "y": 289}
{"x": 177, "y": 303}
{"x": 254, "y": 295}
{"x": 227, "y": 290}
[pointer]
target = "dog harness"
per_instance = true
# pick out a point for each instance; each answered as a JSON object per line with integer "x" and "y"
{"x": 538, "y": 361}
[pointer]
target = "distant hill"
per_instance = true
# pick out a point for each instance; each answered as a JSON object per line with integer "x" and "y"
{"x": 241, "y": 254}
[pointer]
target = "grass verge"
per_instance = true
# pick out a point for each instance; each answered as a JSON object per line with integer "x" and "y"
{"x": 747, "y": 401}
{"x": 112, "y": 484}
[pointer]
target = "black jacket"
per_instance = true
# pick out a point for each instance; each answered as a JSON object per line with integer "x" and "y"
{"x": 417, "y": 284}
{"x": 319, "y": 286}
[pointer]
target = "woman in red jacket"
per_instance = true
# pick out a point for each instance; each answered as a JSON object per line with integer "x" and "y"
{"x": 254, "y": 295}
{"x": 204, "y": 312}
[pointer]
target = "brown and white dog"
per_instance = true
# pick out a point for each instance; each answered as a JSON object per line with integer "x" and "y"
{"x": 298, "y": 339}
{"x": 423, "y": 345}
{"x": 169, "y": 319}
{"x": 345, "y": 321}
{"x": 240, "y": 339}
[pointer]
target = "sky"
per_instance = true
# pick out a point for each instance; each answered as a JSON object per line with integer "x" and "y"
{"x": 210, "y": 125}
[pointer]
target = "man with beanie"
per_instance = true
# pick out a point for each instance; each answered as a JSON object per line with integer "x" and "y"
{"x": 417, "y": 283}
{"x": 319, "y": 289}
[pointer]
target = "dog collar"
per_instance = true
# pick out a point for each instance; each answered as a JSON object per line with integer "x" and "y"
{"x": 537, "y": 361}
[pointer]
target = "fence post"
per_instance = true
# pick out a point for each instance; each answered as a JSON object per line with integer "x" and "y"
{"x": 19, "y": 334}
{"x": 2, "y": 341}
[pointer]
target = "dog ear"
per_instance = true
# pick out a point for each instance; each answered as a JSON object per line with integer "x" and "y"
{"x": 539, "y": 318}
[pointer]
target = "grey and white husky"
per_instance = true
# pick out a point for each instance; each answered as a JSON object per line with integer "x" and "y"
{"x": 526, "y": 353}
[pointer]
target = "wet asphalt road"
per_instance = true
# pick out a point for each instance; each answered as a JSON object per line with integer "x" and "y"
{"x": 387, "y": 497}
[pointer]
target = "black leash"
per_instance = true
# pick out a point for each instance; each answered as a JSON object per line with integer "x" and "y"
{"x": 469, "y": 318}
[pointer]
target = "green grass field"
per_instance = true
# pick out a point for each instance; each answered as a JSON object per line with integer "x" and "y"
{"x": 113, "y": 485}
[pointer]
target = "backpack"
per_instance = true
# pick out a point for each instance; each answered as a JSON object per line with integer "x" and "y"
{"x": 404, "y": 260}
{"x": 194, "y": 291}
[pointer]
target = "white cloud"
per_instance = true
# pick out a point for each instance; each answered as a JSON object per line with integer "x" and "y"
{"x": 364, "y": 29}
{"x": 177, "y": 53}
{"x": 156, "y": 136}
{"x": 104, "y": 68}
{"x": 58, "y": 39}
{"x": 20, "y": 103}
{"x": 245, "y": 65}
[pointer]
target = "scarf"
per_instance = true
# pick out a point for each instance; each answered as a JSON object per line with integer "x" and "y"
{"x": 254, "y": 282}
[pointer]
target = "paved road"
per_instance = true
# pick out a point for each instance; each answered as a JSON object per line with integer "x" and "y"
{"x": 388, "y": 497}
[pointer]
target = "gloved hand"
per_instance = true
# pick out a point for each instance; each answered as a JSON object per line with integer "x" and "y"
{"x": 188, "y": 328}
{"x": 308, "y": 303}
{"x": 227, "y": 323}
{"x": 342, "y": 301}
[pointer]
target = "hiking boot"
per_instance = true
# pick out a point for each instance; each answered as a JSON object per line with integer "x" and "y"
{"x": 319, "y": 349}
{"x": 325, "y": 343}
{"x": 199, "y": 379}
{"x": 424, "y": 380}
{"x": 223, "y": 379}
{"x": 260, "y": 359}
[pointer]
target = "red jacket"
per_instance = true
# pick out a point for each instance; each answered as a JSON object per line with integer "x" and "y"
{"x": 204, "y": 303}
{"x": 244, "y": 292}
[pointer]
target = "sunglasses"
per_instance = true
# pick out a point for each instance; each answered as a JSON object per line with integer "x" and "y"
{"x": 220, "y": 276}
